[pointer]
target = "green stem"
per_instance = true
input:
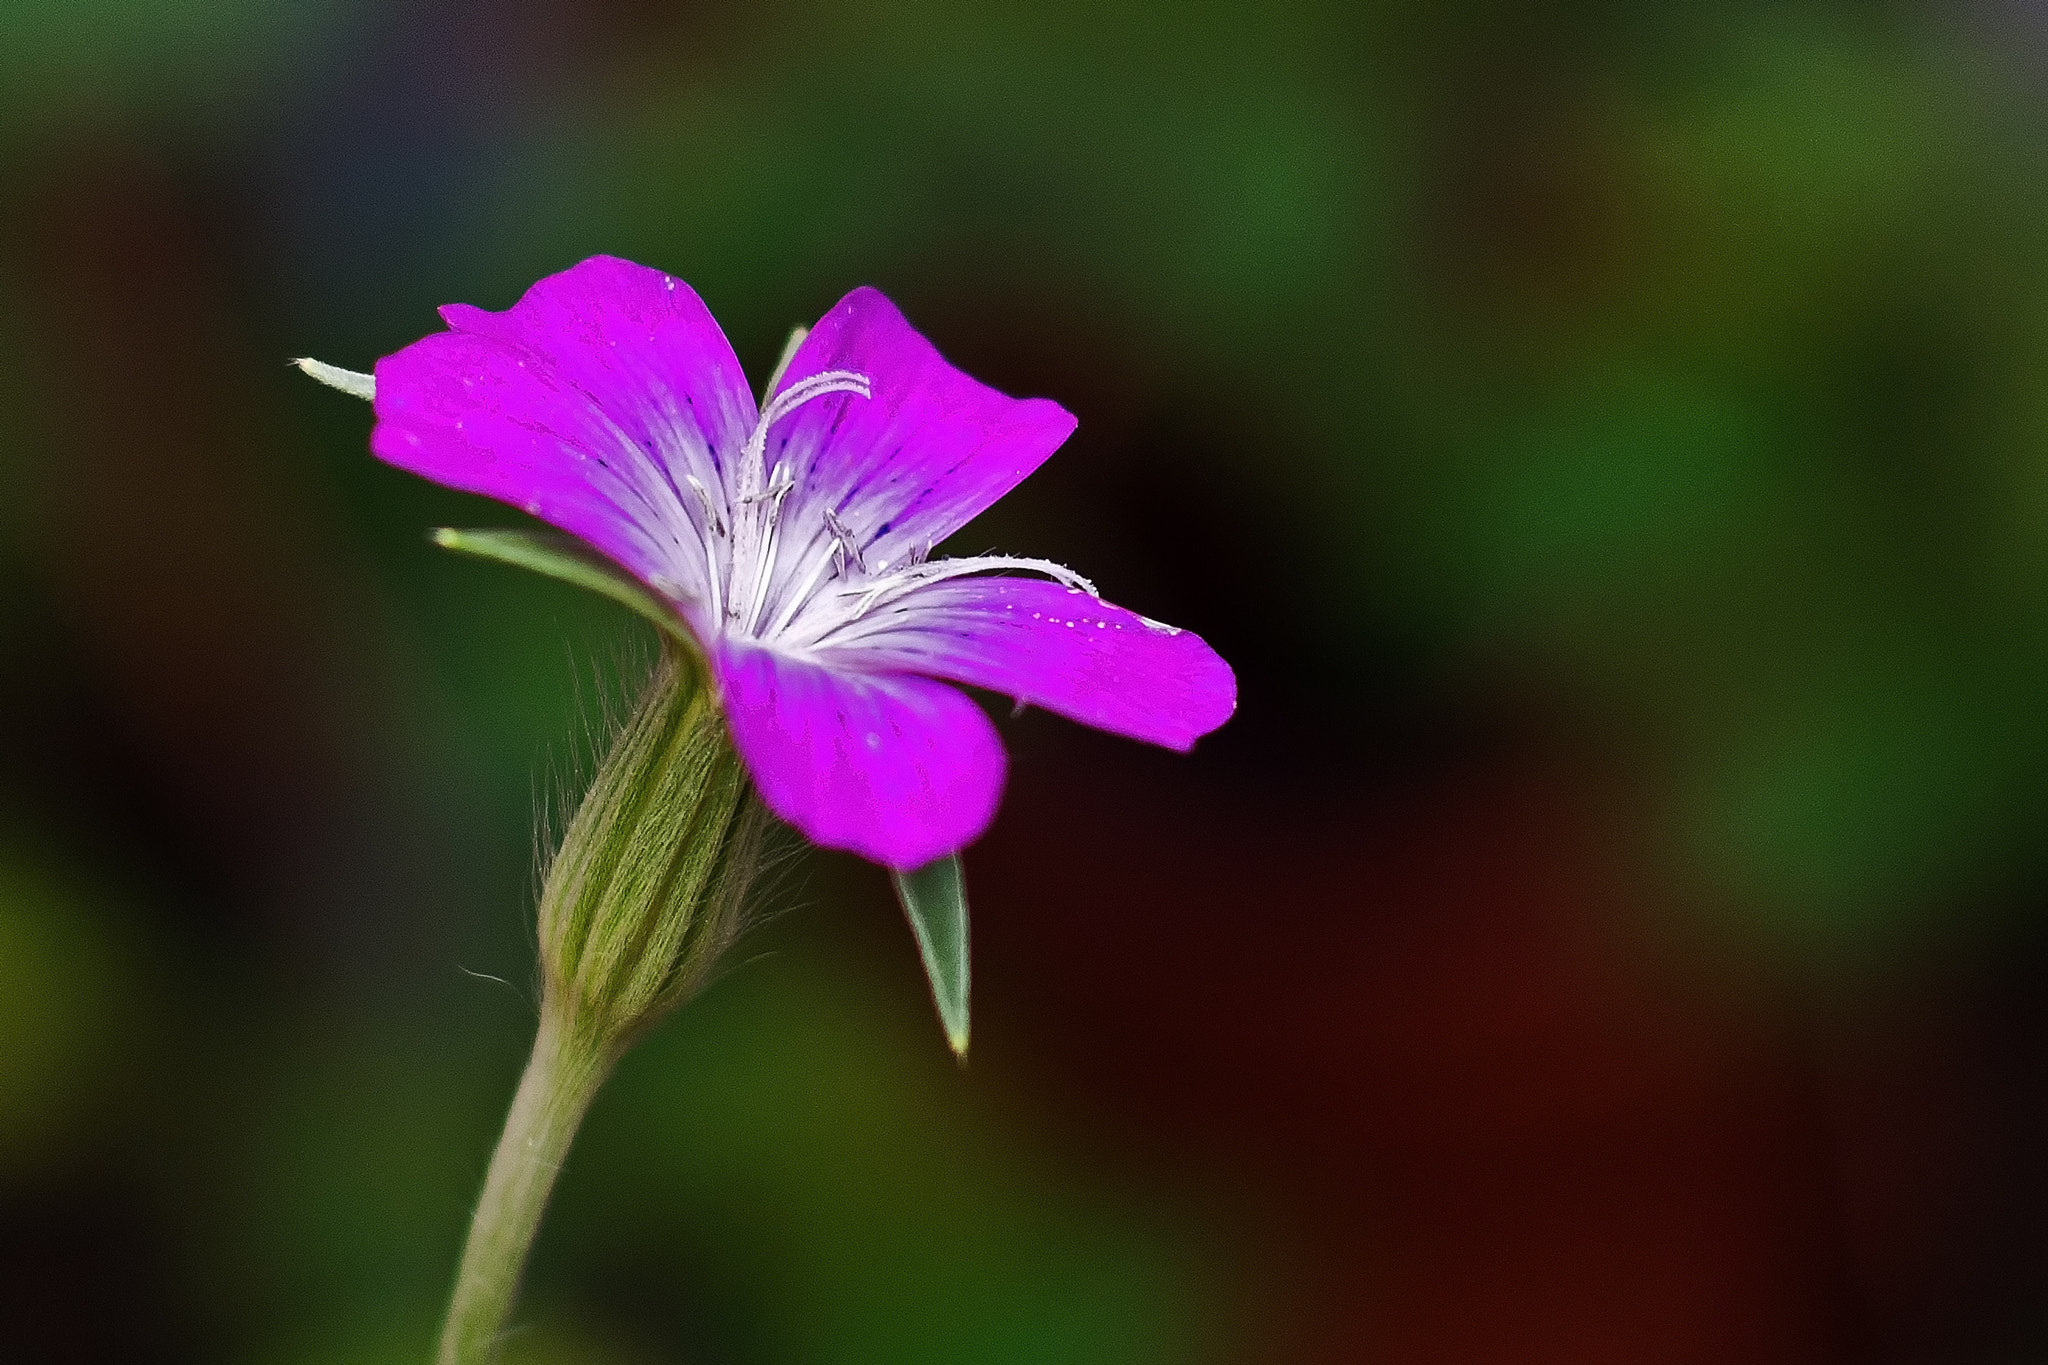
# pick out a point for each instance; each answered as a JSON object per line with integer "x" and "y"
{"x": 561, "y": 1079}
{"x": 641, "y": 898}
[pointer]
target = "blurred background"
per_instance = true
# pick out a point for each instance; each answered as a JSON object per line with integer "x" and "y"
{"x": 1609, "y": 439}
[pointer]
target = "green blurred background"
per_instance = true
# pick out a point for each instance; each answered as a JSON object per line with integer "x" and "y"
{"x": 1609, "y": 439}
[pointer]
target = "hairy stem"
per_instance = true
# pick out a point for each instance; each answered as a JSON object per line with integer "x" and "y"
{"x": 561, "y": 1079}
{"x": 644, "y": 894}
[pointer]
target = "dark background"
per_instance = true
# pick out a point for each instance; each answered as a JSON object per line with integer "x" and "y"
{"x": 1609, "y": 440}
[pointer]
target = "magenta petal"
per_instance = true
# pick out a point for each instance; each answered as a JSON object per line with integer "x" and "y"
{"x": 900, "y": 770}
{"x": 1055, "y": 647}
{"x": 918, "y": 459}
{"x": 586, "y": 403}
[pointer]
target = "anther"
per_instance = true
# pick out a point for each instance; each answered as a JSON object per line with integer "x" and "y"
{"x": 711, "y": 517}
{"x": 848, "y": 547}
{"x": 779, "y": 485}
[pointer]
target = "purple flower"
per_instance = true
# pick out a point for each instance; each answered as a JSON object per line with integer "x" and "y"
{"x": 794, "y": 541}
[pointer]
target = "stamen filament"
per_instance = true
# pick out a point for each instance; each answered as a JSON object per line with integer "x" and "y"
{"x": 847, "y": 543}
{"x": 779, "y": 485}
{"x": 713, "y": 528}
{"x": 796, "y": 395}
{"x": 761, "y": 541}
{"x": 843, "y": 627}
{"x": 802, "y": 596}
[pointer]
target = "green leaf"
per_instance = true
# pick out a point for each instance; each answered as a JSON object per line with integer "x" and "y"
{"x": 570, "y": 560}
{"x": 935, "y": 900}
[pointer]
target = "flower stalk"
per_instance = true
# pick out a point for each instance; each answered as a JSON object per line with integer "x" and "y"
{"x": 561, "y": 1079}
{"x": 642, "y": 898}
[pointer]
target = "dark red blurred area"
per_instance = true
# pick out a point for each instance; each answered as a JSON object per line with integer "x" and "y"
{"x": 1440, "y": 1026}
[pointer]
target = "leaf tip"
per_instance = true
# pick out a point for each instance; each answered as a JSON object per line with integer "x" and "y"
{"x": 935, "y": 901}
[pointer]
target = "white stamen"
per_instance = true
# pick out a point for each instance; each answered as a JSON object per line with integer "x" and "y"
{"x": 796, "y": 395}
{"x": 841, "y": 626}
{"x": 919, "y": 575}
{"x": 832, "y": 562}
{"x": 753, "y": 485}
{"x": 778, "y": 488}
{"x": 779, "y": 484}
{"x": 814, "y": 386}
{"x": 848, "y": 546}
{"x": 714, "y": 525}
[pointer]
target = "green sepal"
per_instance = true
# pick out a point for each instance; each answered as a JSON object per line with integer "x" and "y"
{"x": 648, "y": 887}
{"x": 566, "y": 558}
{"x": 796, "y": 339}
{"x": 935, "y": 902}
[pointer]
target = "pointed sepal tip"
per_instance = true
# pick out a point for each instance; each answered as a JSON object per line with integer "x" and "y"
{"x": 935, "y": 902}
{"x": 568, "y": 560}
{"x": 352, "y": 382}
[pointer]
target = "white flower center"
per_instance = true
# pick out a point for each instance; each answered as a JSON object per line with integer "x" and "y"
{"x": 827, "y": 595}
